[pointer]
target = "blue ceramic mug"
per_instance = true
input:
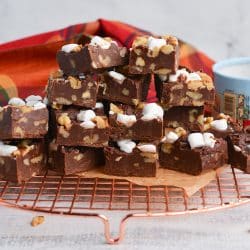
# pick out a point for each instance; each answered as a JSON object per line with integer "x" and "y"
{"x": 232, "y": 82}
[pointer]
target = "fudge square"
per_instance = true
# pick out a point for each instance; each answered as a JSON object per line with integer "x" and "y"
{"x": 126, "y": 158}
{"x": 189, "y": 118}
{"x": 23, "y": 119}
{"x": 75, "y": 127}
{"x": 119, "y": 86}
{"x": 71, "y": 160}
{"x": 193, "y": 153}
{"x": 72, "y": 90}
{"x": 144, "y": 122}
{"x": 185, "y": 89}
{"x": 239, "y": 151}
{"x": 100, "y": 53}
{"x": 154, "y": 55}
{"x": 21, "y": 160}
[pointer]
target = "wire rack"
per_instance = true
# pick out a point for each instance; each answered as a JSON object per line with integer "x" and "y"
{"x": 79, "y": 196}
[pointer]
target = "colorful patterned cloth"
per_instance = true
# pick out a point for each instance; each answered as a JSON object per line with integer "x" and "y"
{"x": 26, "y": 63}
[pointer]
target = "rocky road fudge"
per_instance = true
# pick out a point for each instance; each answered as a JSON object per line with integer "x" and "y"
{"x": 185, "y": 89}
{"x": 156, "y": 55}
{"x": 126, "y": 158}
{"x": 22, "y": 119}
{"x": 20, "y": 160}
{"x": 75, "y": 127}
{"x": 72, "y": 90}
{"x": 239, "y": 151}
{"x": 189, "y": 118}
{"x": 144, "y": 122}
{"x": 71, "y": 160}
{"x": 192, "y": 153}
{"x": 117, "y": 86}
{"x": 100, "y": 53}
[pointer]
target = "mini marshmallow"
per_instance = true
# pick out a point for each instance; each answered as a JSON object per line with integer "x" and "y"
{"x": 127, "y": 120}
{"x": 150, "y": 148}
{"x": 69, "y": 47}
{"x": 189, "y": 76}
{"x": 16, "y": 101}
{"x": 209, "y": 140}
{"x": 117, "y": 76}
{"x": 99, "y": 105}
{"x": 86, "y": 115}
{"x": 31, "y": 103}
{"x": 155, "y": 43}
{"x": 126, "y": 146}
{"x": 39, "y": 105}
{"x": 46, "y": 101}
{"x": 196, "y": 140}
{"x": 81, "y": 76}
{"x": 87, "y": 124}
{"x": 7, "y": 150}
{"x": 237, "y": 148}
{"x": 170, "y": 137}
{"x": 111, "y": 112}
{"x": 97, "y": 40}
{"x": 152, "y": 111}
{"x": 33, "y": 98}
{"x": 220, "y": 125}
{"x": 163, "y": 78}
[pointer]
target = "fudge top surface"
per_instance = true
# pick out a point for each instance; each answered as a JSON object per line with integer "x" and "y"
{"x": 32, "y": 102}
{"x": 152, "y": 43}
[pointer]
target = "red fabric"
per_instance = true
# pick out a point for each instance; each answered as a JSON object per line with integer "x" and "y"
{"x": 26, "y": 63}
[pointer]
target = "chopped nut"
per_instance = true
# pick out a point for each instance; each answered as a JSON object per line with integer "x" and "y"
{"x": 19, "y": 131}
{"x": 138, "y": 51}
{"x": 105, "y": 61}
{"x": 192, "y": 114}
{"x": 152, "y": 156}
{"x": 37, "y": 220}
{"x": 152, "y": 66}
{"x": 140, "y": 62}
{"x": 167, "y": 49}
{"x": 91, "y": 139}
{"x": 78, "y": 157}
{"x": 90, "y": 84}
{"x": 63, "y": 132}
{"x": 86, "y": 94}
{"x": 73, "y": 98}
{"x": 166, "y": 148}
{"x": 56, "y": 105}
{"x": 22, "y": 120}
{"x": 194, "y": 95}
{"x": 140, "y": 41}
{"x": 162, "y": 71}
{"x": 200, "y": 119}
{"x": 26, "y": 162}
{"x": 26, "y": 109}
{"x": 100, "y": 122}
{"x": 37, "y": 159}
{"x": 63, "y": 101}
{"x": 118, "y": 158}
{"x": 125, "y": 92}
{"x": 77, "y": 48}
{"x": 180, "y": 131}
{"x": 115, "y": 109}
{"x": 224, "y": 116}
{"x": 198, "y": 103}
{"x": 123, "y": 52}
{"x": 56, "y": 74}
{"x": 74, "y": 82}
{"x": 135, "y": 101}
{"x": 38, "y": 123}
{"x": 64, "y": 120}
{"x": 136, "y": 164}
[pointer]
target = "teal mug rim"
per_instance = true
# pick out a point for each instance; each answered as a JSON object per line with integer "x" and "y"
{"x": 230, "y": 62}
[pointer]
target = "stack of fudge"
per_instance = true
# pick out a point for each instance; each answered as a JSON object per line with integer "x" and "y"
{"x": 99, "y": 116}
{"x": 23, "y": 127}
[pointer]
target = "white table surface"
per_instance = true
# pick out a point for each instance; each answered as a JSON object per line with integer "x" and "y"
{"x": 224, "y": 229}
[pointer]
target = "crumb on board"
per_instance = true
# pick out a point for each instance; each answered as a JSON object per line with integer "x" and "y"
{"x": 37, "y": 220}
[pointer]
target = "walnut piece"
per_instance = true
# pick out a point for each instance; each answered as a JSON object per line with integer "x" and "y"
{"x": 74, "y": 82}
{"x": 100, "y": 122}
{"x": 64, "y": 120}
{"x": 37, "y": 220}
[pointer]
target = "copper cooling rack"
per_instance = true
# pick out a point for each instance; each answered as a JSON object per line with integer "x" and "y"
{"x": 83, "y": 197}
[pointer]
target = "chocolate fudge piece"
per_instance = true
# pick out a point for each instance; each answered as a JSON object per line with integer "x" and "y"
{"x": 125, "y": 88}
{"x": 144, "y": 122}
{"x": 22, "y": 120}
{"x": 189, "y": 118}
{"x": 239, "y": 151}
{"x": 71, "y": 160}
{"x": 21, "y": 160}
{"x": 80, "y": 91}
{"x": 156, "y": 55}
{"x": 221, "y": 126}
{"x": 128, "y": 159}
{"x": 193, "y": 153}
{"x": 75, "y": 127}
{"x": 185, "y": 89}
{"x": 100, "y": 53}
